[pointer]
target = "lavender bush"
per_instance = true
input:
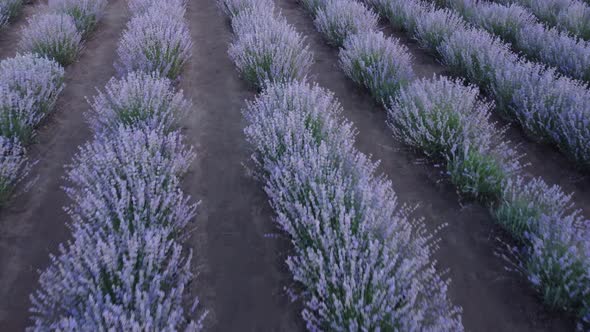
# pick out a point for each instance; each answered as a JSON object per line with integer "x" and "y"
{"x": 17, "y": 116}
{"x": 14, "y": 167}
{"x": 275, "y": 53}
{"x": 174, "y": 7}
{"x": 339, "y": 19}
{"x": 553, "y": 246}
{"x": 232, "y": 8}
{"x": 518, "y": 26}
{"x": 153, "y": 42}
{"x": 343, "y": 219}
{"x": 380, "y": 64}
{"x": 52, "y": 35}
{"x": 556, "y": 254}
{"x": 446, "y": 120}
{"x": 566, "y": 15}
{"x": 86, "y": 13}
{"x": 9, "y": 9}
{"x": 551, "y": 108}
{"x": 254, "y": 19}
{"x": 35, "y": 78}
{"x": 435, "y": 26}
{"x": 559, "y": 116}
{"x": 124, "y": 269}
{"x": 138, "y": 99}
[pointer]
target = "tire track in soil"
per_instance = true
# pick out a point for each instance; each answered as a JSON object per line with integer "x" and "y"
{"x": 241, "y": 271}
{"x": 34, "y": 223}
{"x": 10, "y": 34}
{"x": 492, "y": 298}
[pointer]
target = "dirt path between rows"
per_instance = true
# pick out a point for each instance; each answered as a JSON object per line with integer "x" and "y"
{"x": 10, "y": 34}
{"x": 241, "y": 270}
{"x": 492, "y": 298}
{"x": 33, "y": 224}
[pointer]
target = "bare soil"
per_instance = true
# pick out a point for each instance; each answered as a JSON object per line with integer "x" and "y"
{"x": 10, "y": 34}
{"x": 493, "y": 299}
{"x": 34, "y": 223}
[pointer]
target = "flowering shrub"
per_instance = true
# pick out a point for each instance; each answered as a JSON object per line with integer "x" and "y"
{"x": 14, "y": 166}
{"x": 232, "y": 8}
{"x": 9, "y": 9}
{"x": 17, "y": 116}
{"x": 138, "y": 99}
{"x": 173, "y": 7}
{"x": 343, "y": 219}
{"x": 446, "y": 120}
{"x": 52, "y": 35}
{"x": 123, "y": 270}
{"x": 339, "y": 19}
{"x": 436, "y": 26}
{"x": 86, "y": 13}
{"x": 275, "y": 53}
{"x": 516, "y": 25}
{"x": 566, "y": 15}
{"x": 254, "y": 19}
{"x": 33, "y": 77}
{"x": 556, "y": 257}
{"x": 379, "y": 63}
{"x": 153, "y": 42}
{"x": 553, "y": 246}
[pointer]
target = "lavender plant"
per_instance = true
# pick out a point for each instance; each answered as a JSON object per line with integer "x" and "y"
{"x": 275, "y": 53}
{"x": 86, "y": 13}
{"x": 447, "y": 121}
{"x": 343, "y": 219}
{"x": 17, "y": 116}
{"x": 435, "y": 26}
{"x": 174, "y": 7}
{"x": 153, "y": 42}
{"x": 339, "y": 19}
{"x": 124, "y": 268}
{"x": 554, "y": 250}
{"x": 14, "y": 167}
{"x": 52, "y": 35}
{"x": 550, "y": 108}
{"x": 254, "y": 19}
{"x": 34, "y": 78}
{"x": 524, "y": 203}
{"x": 138, "y": 99}
{"x": 380, "y": 64}
{"x": 567, "y": 15}
{"x": 556, "y": 254}
{"x": 9, "y": 9}
{"x": 518, "y": 26}
{"x": 232, "y": 8}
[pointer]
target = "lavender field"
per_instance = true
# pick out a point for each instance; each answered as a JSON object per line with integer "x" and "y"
{"x": 291, "y": 165}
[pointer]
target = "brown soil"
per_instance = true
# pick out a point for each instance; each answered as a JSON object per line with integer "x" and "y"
{"x": 33, "y": 223}
{"x": 493, "y": 299}
{"x": 10, "y": 34}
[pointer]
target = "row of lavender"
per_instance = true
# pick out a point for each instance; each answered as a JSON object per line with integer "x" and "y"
{"x": 363, "y": 263}
{"x": 125, "y": 268}
{"x": 566, "y": 15}
{"x": 447, "y": 120}
{"x": 550, "y": 108}
{"x": 31, "y": 83}
{"x": 516, "y": 25}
